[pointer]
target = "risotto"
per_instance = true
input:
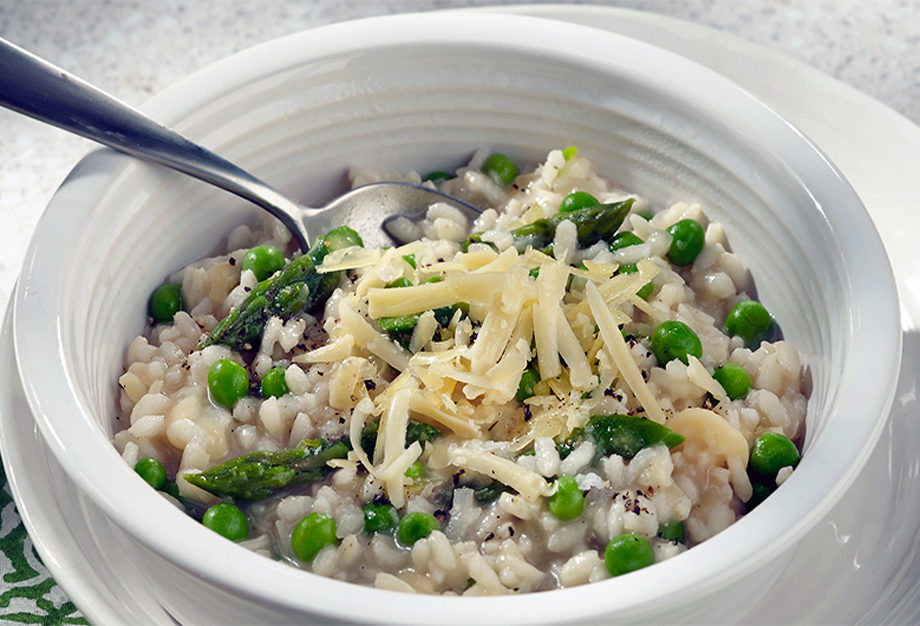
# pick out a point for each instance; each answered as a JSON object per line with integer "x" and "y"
{"x": 572, "y": 387}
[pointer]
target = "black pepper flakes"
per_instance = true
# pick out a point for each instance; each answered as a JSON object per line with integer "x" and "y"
{"x": 455, "y": 477}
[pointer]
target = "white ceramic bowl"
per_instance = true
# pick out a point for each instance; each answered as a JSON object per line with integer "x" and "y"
{"x": 423, "y": 92}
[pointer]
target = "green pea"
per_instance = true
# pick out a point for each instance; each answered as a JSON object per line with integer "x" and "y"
{"x": 772, "y": 452}
{"x": 674, "y": 340}
{"x": 624, "y": 240}
{"x": 749, "y": 320}
{"x": 577, "y": 200}
{"x": 379, "y": 518}
{"x": 227, "y": 520}
{"x": 687, "y": 240}
{"x": 263, "y": 261}
{"x": 761, "y": 489}
{"x": 645, "y": 290}
{"x": 273, "y": 383}
{"x": 734, "y": 380}
{"x": 228, "y": 381}
{"x": 672, "y": 531}
{"x": 529, "y": 380}
{"x": 415, "y": 471}
{"x": 437, "y": 177}
{"x": 152, "y": 471}
{"x": 415, "y": 526}
{"x": 627, "y": 553}
{"x": 569, "y": 501}
{"x": 165, "y": 302}
{"x": 500, "y": 168}
{"x": 311, "y": 534}
{"x": 402, "y": 281}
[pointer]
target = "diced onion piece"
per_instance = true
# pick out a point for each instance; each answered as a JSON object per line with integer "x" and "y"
{"x": 713, "y": 430}
{"x": 727, "y": 445}
{"x": 619, "y": 351}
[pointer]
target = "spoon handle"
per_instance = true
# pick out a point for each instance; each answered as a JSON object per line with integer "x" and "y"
{"x": 36, "y": 88}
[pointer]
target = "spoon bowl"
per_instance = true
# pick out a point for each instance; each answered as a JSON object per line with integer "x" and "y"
{"x": 34, "y": 87}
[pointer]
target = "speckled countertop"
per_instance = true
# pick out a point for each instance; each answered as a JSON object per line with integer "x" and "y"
{"x": 134, "y": 48}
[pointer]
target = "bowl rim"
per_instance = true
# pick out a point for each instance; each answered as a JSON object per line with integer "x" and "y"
{"x": 34, "y": 314}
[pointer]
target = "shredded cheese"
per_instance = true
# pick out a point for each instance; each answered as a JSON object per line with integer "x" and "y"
{"x": 619, "y": 351}
{"x": 338, "y": 349}
{"x": 349, "y": 258}
{"x": 456, "y": 287}
{"x": 438, "y": 413}
{"x": 374, "y": 342}
{"x": 526, "y": 482}
{"x": 359, "y": 415}
{"x": 546, "y": 313}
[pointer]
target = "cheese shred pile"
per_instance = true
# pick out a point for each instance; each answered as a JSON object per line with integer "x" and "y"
{"x": 513, "y": 311}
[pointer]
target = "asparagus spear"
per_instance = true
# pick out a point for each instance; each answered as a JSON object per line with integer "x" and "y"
{"x": 257, "y": 475}
{"x": 592, "y": 224}
{"x": 620, "y": 434}
{"x": 296, "y": 288}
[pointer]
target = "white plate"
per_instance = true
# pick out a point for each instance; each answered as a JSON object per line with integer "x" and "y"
{"x": 70, "y": 533}
{"x": 859, "y": 565}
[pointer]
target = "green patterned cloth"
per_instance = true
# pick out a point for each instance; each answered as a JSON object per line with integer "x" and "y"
{"x": 28, "y": 593}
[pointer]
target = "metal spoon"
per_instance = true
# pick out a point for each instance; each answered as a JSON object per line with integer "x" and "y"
{"x": 34, "y": 87}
